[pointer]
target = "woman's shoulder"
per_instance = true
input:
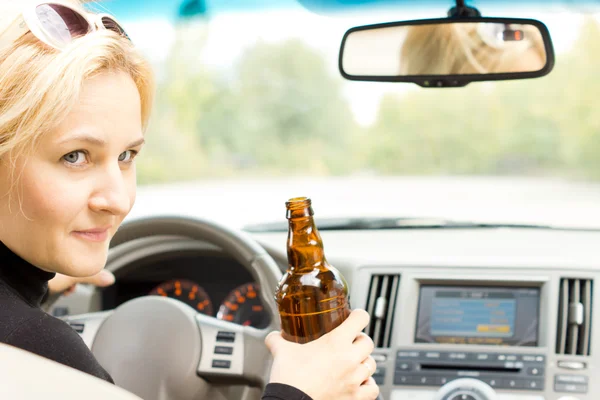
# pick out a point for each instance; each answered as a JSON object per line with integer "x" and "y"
{"x": 52, "y": 338}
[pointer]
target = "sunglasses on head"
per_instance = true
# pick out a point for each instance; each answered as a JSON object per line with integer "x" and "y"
{"x": 57, "y": 23}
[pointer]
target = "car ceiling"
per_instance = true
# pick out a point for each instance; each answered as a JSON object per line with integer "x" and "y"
{"x": 186, "y": 8}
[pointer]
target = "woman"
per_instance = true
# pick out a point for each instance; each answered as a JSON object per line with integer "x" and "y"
{"x": 75, "y": 99}
{"x": 469, "y": 48}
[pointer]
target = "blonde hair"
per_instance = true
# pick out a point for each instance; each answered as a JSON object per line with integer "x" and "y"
{"x": 459, "y": 49}
{"x": 40, "y": 85}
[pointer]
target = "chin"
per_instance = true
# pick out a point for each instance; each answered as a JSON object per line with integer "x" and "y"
{"x": 83, "y": 264}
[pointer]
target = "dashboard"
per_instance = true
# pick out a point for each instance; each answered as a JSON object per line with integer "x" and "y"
{"x": 213, "y": 285}
{"x": 454, "y": 313}
{"x": 475, "y": 314}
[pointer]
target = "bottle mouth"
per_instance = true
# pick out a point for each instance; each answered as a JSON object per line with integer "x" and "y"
{"x": 298, "y": 207}
{"x": 297, "y": 203}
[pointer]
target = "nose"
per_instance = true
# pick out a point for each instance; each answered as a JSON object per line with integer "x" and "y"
{"x": 114, "y": 191}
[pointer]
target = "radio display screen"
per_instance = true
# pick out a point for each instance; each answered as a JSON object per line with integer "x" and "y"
{"x": 478, "y": 315}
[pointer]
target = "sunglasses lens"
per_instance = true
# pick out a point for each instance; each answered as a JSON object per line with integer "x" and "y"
{"x": 61, "y": 23}
{"x": 114, "y": 26}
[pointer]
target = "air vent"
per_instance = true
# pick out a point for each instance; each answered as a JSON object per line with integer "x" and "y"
{"x": 574, "y": 317}
{"x": 381, "y": 303}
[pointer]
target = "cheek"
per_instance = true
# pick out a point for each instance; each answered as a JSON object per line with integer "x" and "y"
{"x": 49, "y": 196}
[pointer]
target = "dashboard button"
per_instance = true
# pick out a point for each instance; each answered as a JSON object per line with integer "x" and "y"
{"x": 570, "y": 388}
{"x": 404, "y": 366}
{"x": 493, "y": 382}
{"x": 408, "y": 354}
{"x": 574, "y": 365}
{"x": 225, "y": 336}
{"x": 481, "y": 357}
{"x": 432, "y": 355}
{"x": 442, "y": 380}
{"x": 221, "y": 364}
{"x": 424, "y": 380}
{"x": 513, "y": 383}
{"x": 77, "y": 327}
{"x": 403, "y": 380}
{"x": 579, "y": 379}
{"x": 223, "y": 350}
{"x": 534, "y": 384}
{"x": 535, "y": 371}
{"x": 456, "y": 356}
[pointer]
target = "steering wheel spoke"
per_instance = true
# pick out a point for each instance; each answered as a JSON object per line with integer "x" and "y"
{"x": 87, "y": 325}
{"x": 232, "y": 352}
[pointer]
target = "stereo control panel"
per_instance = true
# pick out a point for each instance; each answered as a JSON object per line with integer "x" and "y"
{"x": 499, "y": 370}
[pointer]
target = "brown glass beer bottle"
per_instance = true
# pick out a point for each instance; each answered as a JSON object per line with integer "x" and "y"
{"x": 312, "y": 296}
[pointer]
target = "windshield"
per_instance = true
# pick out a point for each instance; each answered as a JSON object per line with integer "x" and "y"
{"x": 250, "y": 103}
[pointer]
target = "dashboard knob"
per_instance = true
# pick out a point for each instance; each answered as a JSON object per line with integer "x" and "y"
{"x": 466, "y": 389}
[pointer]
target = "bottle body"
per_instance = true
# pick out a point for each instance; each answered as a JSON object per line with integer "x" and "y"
{"x": 312, "y": 296}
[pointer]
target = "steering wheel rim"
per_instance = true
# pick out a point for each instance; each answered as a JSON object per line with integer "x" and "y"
{"x": 132, "y": 321}
{"x": 237, "y": 244}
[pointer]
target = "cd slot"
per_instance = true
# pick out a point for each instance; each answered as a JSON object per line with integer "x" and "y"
{"x": 468, "y": 367}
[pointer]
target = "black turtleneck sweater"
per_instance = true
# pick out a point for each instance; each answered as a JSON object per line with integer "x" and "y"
{"x": 23, "y": 324}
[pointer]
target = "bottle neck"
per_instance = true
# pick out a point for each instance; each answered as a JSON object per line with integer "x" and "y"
{"x": 304, "y": 246}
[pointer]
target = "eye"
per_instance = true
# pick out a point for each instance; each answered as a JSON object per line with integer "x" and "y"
{"x": 127, "y": 156}
{"x": 75, "y": 158}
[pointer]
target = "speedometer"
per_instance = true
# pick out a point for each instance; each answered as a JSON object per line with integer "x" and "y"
{"x": 243, "y": 306}
{"x": 187, "y": 292}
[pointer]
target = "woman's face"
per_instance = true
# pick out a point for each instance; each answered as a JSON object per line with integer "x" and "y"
{"x": 78, "y": 185}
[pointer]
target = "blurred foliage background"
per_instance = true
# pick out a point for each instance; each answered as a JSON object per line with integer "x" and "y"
{"x": 282, "y": 112}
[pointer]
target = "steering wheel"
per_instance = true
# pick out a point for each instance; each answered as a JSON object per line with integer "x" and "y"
{"x": 162, "y": 349}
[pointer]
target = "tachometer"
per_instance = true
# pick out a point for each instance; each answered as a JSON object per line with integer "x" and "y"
{"x": 243, "y": 306}
{"x": 186, "y": 291}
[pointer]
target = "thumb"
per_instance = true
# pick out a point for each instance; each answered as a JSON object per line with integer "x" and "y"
{"x": 101, "y": 279}
{"x": 274, "y": 341}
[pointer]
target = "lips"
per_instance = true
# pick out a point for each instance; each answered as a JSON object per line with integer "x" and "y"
{"x": 99, "y": 234}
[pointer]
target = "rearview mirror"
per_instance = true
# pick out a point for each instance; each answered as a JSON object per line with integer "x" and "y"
{"x": 447, "y": 52}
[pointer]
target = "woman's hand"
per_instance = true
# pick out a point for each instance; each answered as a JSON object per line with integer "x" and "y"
{"x": 65, "y": 285}
{"x": 338, "y": 365}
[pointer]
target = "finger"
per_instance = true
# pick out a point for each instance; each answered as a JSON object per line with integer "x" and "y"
{"x": 364, "y": 371}
{"x": 60, "y": 283}
{"x": 102, "y": 279}
{"x": 363, "y": 346}
{"x": 352, "y": 326}
{"x": 368, "y": 391}
{"x": 274, "y": 342}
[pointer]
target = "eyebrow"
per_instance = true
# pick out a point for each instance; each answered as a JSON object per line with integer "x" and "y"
{"x": 97, "y": 141}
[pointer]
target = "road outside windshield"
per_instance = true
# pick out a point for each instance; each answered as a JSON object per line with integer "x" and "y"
{"x": 248, "y": 96}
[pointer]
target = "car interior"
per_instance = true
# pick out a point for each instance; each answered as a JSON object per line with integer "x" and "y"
{"x": 461, "y": 308}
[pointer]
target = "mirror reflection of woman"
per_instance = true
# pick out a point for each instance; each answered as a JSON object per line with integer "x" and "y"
{"x": 469, "y": 48}
{"x": 75, "y": 100}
